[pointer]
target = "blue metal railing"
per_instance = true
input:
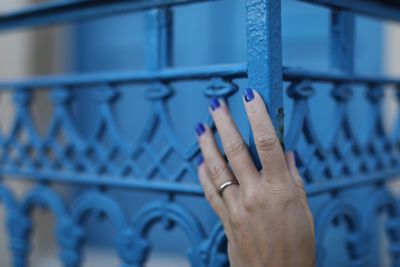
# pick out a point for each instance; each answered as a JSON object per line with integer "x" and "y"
{"x": 345, "y": 180}
{"x": 55, "y": 12}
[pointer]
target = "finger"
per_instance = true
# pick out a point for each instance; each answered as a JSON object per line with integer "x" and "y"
{"x": 234, "y": 146}
{"x": 294, "y": 172}
{"x": 217, "y": 168}
{"x": 210, "y": 192}
{"x": 268, "y": 146}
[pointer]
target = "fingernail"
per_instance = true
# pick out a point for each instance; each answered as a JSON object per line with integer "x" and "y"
{"x": 214, "y": 103}
{"x": 200, "y": 129}
{"x": 248, "y": 94}
{"x": 296, "y": 158}
{"x": 200, "y": 160}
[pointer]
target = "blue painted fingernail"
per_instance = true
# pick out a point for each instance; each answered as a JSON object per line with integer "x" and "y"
{"x": 214, "y": 103}
{"x": 248, "y": 94}
{"x": 297, "y": 159}
{"x": 200, "y": 129}
{"x": 200, "y": 160}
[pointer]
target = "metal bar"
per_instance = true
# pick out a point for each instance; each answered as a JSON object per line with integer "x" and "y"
{"x": 139, "y": 183}
{"x": 264, "y": 57}
{"x": 159, "y": 45}
{"x": 349, "y": 183}
{"x": 375, "y": 9}
{"x": 171, "y": 74}
{"x": 342, "y": 41}
{"x": 235, "y": 71}
{"x": 64, "y": 12}
{"x": 298, "y": 74}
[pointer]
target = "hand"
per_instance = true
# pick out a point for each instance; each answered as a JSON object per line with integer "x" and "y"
{"x": 265, "y": 213}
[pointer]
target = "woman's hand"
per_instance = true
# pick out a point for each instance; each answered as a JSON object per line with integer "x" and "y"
{"x": 265, "y": 213}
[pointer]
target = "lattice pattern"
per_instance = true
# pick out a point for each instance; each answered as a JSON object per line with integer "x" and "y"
{"x": 345, "y": 179}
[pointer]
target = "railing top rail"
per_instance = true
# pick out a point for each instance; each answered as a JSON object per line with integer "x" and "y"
{"x": 58, "y": 12}
{"x": 372, "y": 8}
{"x": 293, "y": 74}
{"x": 228, "y": 71}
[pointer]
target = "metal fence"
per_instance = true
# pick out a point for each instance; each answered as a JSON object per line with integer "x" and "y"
{"x": 345, "y": 180}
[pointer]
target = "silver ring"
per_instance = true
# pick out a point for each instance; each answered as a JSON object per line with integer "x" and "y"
{"x": 225, "y": 185}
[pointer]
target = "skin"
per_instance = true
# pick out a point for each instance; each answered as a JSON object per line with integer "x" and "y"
{"x": 266, "y": 216}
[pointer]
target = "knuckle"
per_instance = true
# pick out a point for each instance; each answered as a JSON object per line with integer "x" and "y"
{"x": 237, "y": 218}
{"x": 210, "y": 196}
{"x": 235, "y": 148}
{"x": 284, "y": 198}
{"x": 266, "y": 142}
{"x": 217, "y": 171}
{"x": 300, "y": 185}
{"x": 288, "y": 198}
{"x": 253, "y": 201}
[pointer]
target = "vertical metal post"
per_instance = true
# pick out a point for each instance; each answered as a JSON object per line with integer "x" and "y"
{"x": 159, "y": 32}
{"x": 342, "y": 60}
{"x": 159, "y": 53}
{"x": 342, "y": 41}
{"x": 264, "y": 56}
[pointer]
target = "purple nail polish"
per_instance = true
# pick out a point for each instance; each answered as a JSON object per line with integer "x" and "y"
{"x": 214, "y": 103}
{"x": 248, "y": 94}
{"x": 200, "y": 129}
{"x": 297, "y": 160}
{"x": 200, "y": 160}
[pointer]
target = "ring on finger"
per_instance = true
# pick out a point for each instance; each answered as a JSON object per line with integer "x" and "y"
{"x": 225, "y": 185}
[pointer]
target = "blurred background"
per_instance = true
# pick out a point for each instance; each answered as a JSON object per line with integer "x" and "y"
{"x": 209, "y": 33}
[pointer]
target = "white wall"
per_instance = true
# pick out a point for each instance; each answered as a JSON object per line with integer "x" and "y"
{"x": 392, "y": 51}
{"x": 392, "y": 68}
{"x": 22, "y": 54}
{"x": 14, "y": 50}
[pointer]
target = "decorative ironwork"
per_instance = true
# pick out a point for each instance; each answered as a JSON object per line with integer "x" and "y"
{"x": 334, "y": 173}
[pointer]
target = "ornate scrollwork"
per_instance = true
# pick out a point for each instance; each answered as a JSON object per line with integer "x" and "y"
{"x": 107, "y": 158}
{"x": 345, "y": 177}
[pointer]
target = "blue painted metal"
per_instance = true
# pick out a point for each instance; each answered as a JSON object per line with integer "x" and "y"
{"x": 378, "y": 9}
{"x": 265, "y": 60}
{"x": 120, "y": 78}
{"x": 56, "y": 12}
{"x": 342, "y": 41}
{"x": 345, "y": 178}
